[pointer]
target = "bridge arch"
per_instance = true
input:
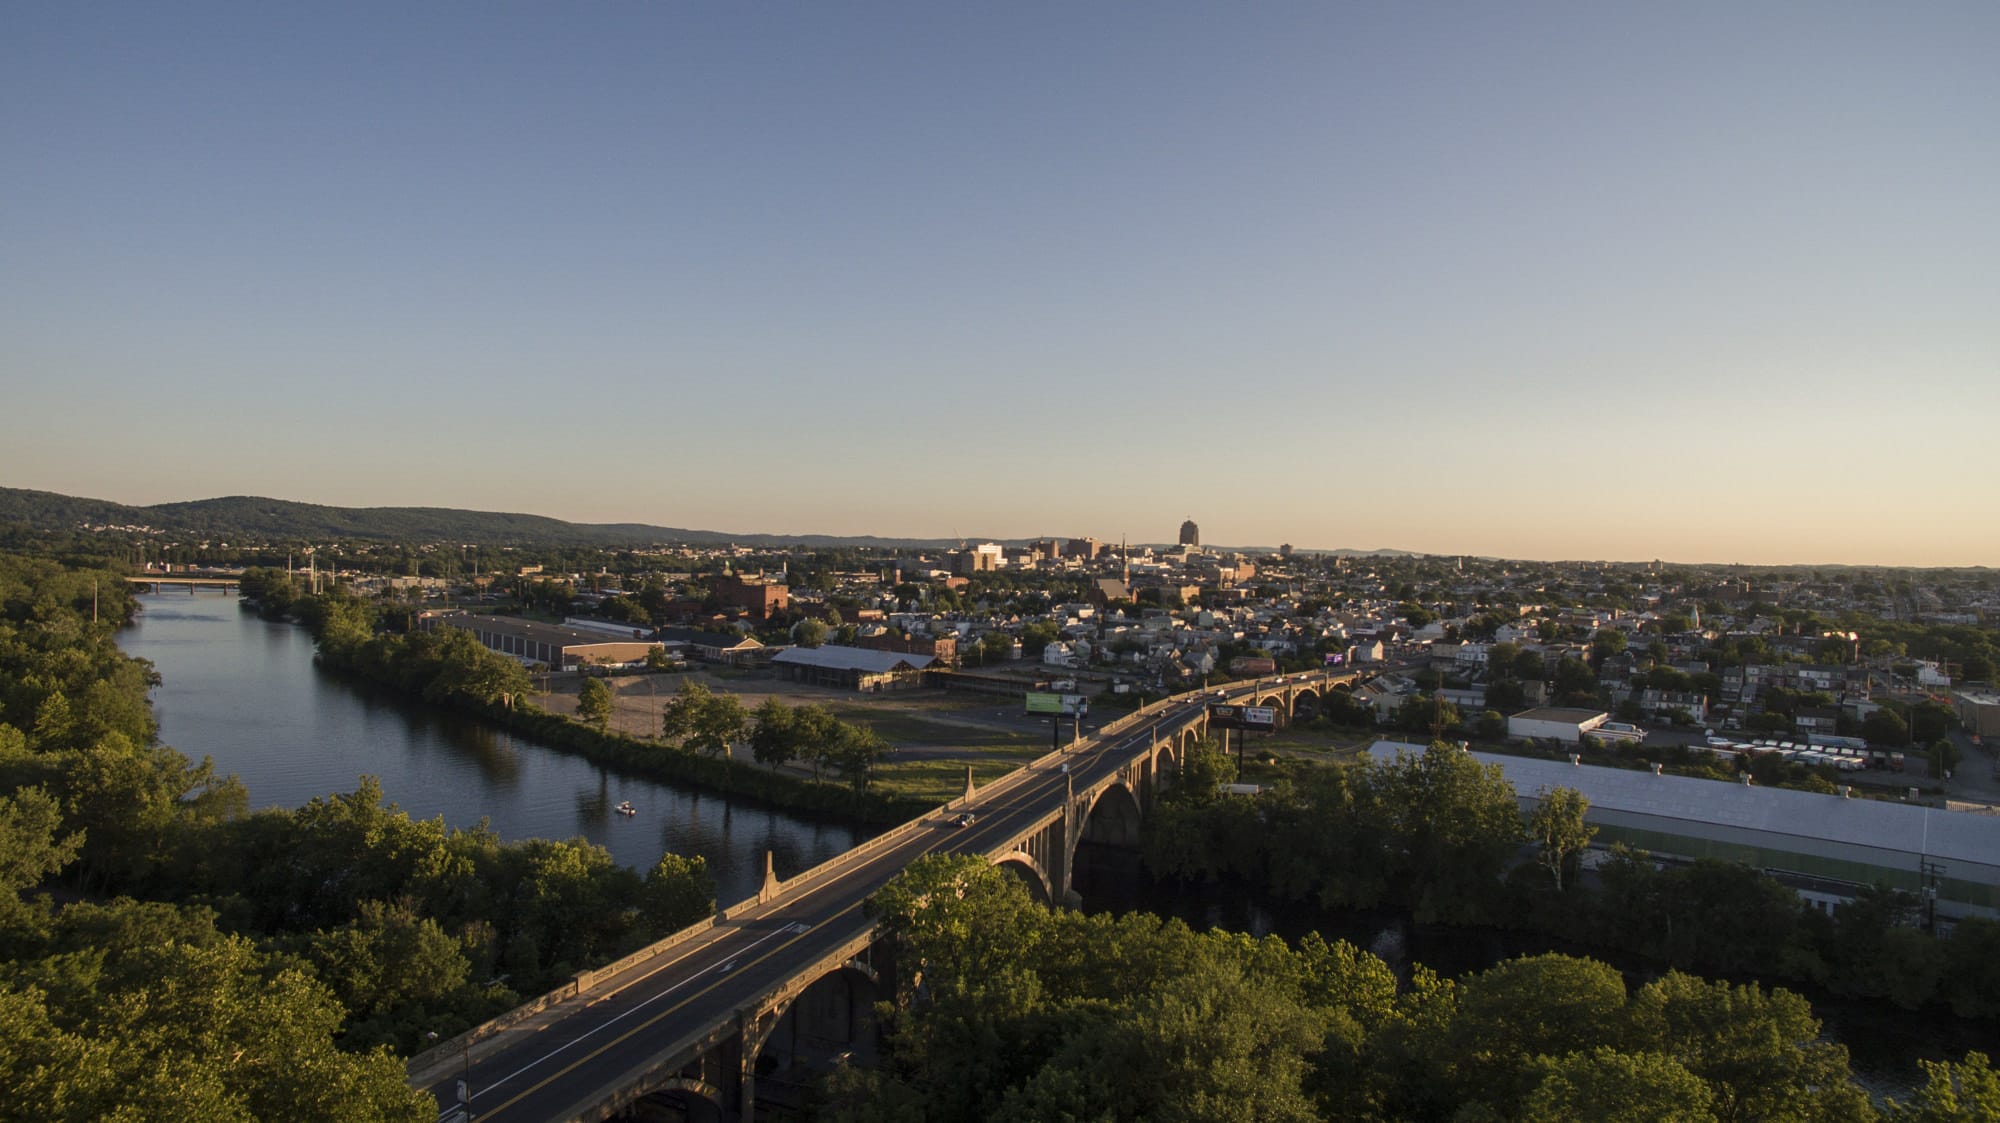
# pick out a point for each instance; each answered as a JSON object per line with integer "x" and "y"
{"x": 1306, "y": 703}
{"x": 830, "y": 1019}
{"x": 1280, "y": 703}
{"x": 1114, "y": 817}
{"x": 698, "y": 1101}
{"x": 1023, "y": 865}
{"x": 1190, "y": 737}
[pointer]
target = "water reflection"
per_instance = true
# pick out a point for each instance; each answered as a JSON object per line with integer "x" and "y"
{"x": 247, "y": 692}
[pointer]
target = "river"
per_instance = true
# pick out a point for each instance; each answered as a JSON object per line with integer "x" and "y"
{"x": 245, "y": 692}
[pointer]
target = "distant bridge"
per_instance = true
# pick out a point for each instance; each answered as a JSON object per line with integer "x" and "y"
{"x": 194, "y": 584}
{"x": 781, "y": 984}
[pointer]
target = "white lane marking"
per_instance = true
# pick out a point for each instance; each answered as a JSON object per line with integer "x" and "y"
{"x": 788, "y": 930}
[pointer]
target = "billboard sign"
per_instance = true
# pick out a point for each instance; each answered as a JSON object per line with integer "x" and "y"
{"x": 1039, "y": 703}
{"x": 1261, "y": 718}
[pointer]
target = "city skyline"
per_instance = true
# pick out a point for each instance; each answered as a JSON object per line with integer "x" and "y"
{"x": 1704, "y": 284}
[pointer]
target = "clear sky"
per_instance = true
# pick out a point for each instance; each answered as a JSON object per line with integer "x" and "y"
{"x": 1701, "y": 281}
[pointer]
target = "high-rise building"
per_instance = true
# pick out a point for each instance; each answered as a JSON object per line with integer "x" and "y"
{"x": 1190, "y": 534}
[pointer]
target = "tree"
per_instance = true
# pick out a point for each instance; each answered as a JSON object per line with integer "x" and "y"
{"x": 994, "y": 646}
{"x": 1217, "y": 1045}
{"x": 1424, "y": 713}
{"x": 175, "y": 1021}
{"x": 1608, "y": 642}
{"x": 1612, "y": 1087}
{"x": 1450, "y": 825}
{"x": 961, "y": 918}
{"x": 464, "y": 670}
{"x": 1972, "y": 963}
{"x": 1559, "y": 831}
{"x": 854, "y": 753}
{"x": 809, "y": 632}
{"x": 1966, "y": 1091}
{"x": 1204, "y": 771}
{"x": 1883, "y": 727}
{"x": 1514, "y": 1013}
{"x": 678, "y": 892}
{"x": 595, "y": 702}
{"x": 1931, "y": 721}
{"x": 703, "y": 721}
{"x": 30, "y": 847}
{"x": 773, "y": 734}
{"x": 1575, "y": 683}
{"x": 1758, "y": 1051}
{"x": 1943, "y": 756}
{"x": 387, "y": 958}
{"x": 1529, "y": 666}
{"x": 1037, "y": 636}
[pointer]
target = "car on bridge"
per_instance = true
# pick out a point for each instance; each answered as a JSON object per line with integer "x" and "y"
{"x": 966, "y": 819}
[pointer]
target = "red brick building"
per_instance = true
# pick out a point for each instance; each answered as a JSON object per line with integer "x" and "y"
{"x": 755, "y": 595}
{"x": 943, "y": 648}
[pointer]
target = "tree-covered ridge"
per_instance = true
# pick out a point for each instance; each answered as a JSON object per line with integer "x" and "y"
{"x": 226, "y": 965}
{"x": 1010, "y": 1011}
{"x": 247, "y": 516}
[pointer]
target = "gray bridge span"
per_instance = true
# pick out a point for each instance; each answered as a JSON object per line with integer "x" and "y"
{"x": 784, "y": 982}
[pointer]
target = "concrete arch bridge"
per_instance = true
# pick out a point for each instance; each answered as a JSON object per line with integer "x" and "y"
{"x": 704, "y": 1024}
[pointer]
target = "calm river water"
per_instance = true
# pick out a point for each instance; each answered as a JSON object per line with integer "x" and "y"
{"x": 245, "y": 691}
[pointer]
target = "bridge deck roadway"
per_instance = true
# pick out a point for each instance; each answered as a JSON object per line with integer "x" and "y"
{"x": 554, "y": 1064}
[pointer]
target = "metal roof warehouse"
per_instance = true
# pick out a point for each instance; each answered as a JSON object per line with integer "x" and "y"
{"x": 1860, "y": 841}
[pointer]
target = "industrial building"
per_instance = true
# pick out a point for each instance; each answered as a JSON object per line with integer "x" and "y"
{"x": 1555, "y": 723}
{"x": 1833, "y": 840}
{"x": 1979, "y": 710}
{"x": 851, "y": 668}
{"x": 549, "y": 645}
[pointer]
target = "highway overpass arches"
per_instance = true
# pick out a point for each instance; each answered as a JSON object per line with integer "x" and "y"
{"x": 1305, "y": 703}
{"x": 1023, "y": 865}
{"x": 1114, "y": 817}
{"x": 681, "y": 1097}
{"x": 1190, "y": 737}
{"x": 831, "y": 1020}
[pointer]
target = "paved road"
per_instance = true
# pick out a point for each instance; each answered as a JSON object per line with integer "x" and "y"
{"x": 537, "y": 1070}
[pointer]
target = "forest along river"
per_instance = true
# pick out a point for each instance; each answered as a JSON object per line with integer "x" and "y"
{"x": 1884, "y": 1043}
{"x": 245, "y": 692}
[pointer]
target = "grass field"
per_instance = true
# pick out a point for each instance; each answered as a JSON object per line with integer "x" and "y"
{"x": 936, "y": 781}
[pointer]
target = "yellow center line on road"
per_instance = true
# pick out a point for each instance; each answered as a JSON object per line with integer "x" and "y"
{"x": 1088, "y": 757}
{"x": 662, "y": 1015}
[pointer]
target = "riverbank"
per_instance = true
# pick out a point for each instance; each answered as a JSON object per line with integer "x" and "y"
{"x": 449, "y": 669}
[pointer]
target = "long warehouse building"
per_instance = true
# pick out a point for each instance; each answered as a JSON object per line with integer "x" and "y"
{"x": 1823, "y": 837}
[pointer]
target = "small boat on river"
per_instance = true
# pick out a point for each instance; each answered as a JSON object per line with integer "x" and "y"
{"x": 626, "y": 808}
